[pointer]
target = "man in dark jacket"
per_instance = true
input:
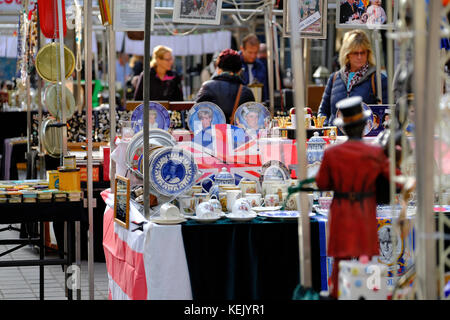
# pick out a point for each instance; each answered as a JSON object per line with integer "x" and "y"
{"x": 348, "y": 10}
{"x": 254, "y": 70}
{"x": 223, "y": 87}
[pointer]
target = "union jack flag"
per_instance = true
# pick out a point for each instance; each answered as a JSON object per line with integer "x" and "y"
{"x": 224, "y": 145}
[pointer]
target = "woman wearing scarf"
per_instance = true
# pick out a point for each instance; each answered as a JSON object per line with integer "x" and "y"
{"x": 357, "y": 76}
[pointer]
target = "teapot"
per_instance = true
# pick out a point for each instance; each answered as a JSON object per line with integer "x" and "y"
{"x": 223, "y": 178}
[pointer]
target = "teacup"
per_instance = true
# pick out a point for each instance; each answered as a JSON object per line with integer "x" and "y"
{"x": 241, "y": 207}
{"x": 216, "y": 205}
{"x": 325, "y": 202}
{"x": 255, "y": 199}
{"x": 169, "y": 211}
{"x": 232, "y": 196}
{"x": 200, "y": 197}
{"x": 248, "y": 187}
{"x": 187, "y": 204}
{"x": 205, "y": 210}
{"x": 195, "y": 189}
{"x": 271, "y": 200}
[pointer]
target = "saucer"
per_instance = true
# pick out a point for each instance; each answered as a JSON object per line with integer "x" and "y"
{"x": 205, "y": 220}
{"x": 241, "y": 218}
{"x": 263, "y": 209}
{"x": 167, "y": 221}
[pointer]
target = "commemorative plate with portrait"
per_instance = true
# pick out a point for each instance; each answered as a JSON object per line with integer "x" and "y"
{"x": 370, "y": 121}
{"x": 203, "y": 115}
{"x": 252, "y": 115}
{"x": 172, "y": 171}
{"x": 274, "y": 170}
{"x": 158, "y": 117}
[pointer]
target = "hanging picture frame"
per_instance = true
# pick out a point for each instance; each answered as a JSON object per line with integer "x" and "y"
{"x": 122, "y": 201}
{"x": 197, "y": 12}
{"x": 365, "y": 14}
{"x": 313, "y": 19}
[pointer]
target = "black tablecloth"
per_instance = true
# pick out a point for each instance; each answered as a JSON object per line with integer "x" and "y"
{"x": 246, "y": 260}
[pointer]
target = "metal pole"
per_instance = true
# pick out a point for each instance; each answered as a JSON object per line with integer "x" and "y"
{"x": 269, "y": 43}
{"x": 148, "y": 16}
{"x": 299, "y": 102}
{"x": 426, "y": 93}
{"x": 277, "y": 57}
{"x": 112, "y": 95}
{"x": 88, "y": 100}
{"x": 63, "y": 79}
{"x": 377, "y": 39}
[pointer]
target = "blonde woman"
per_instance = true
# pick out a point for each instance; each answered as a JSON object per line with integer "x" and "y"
{"x": 357, "y": 76}
{"x": 165, "y": 83}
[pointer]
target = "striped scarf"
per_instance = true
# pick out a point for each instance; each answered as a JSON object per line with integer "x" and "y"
{"x": 358, "y": 75}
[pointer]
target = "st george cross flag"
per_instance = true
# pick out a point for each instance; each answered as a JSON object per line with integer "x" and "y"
{"x": 140, "y": 269}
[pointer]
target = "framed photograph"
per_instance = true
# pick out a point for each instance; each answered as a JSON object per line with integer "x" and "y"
{"x": 313, "y": 19}
{"x": 122, "y": 201}
{"x": 365, "y": 14}
{"x": 198, "y": 12}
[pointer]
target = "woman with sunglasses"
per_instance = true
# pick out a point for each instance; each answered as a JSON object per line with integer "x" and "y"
{"x": 165, "y": 83}
{"x": 357, "y": 76}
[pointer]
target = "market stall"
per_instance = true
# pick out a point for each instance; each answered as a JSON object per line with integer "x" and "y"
{"x": 197, "y": 210}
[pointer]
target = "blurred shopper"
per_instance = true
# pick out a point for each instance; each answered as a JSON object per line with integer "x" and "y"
{"x": 165, "y": 84}
{"x": 254, "y": 70}
{"x": 223, "y": 88}
{"x": 357, "y": 76}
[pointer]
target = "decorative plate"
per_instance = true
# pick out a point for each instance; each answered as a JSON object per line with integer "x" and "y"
{"x": 281, "y": 214}
{"x": 370, "y": 121}
{"x": 162, "y": 120}
{"x": 167, "y": 221}
{"x": 243, "y": 119}
{"x": 274, "y": 170}
{"x": 51, "y": 102}
{"x": 213, "y": 110}
{"x": 135, "y": 148}
{"x": 172, "y": 171}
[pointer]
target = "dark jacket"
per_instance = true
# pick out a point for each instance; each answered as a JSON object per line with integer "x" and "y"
{"x": 346, "y": 11}
{"x": 161, "y": 90}
{"x": 337, "y": 90}
{"x": 259, "y": 71}
{"x": 222, "y": 90}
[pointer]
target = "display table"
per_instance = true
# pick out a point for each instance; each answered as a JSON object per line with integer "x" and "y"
{"x": 247, "y": 260}
{"x": 222, "y": 260}
{"x": 13, "y": 213}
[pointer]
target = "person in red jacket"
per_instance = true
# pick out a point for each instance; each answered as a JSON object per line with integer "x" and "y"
{"x": 350, "y": 169}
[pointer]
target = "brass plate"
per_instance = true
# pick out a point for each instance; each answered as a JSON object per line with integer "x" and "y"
{"x": 48, "y": 62}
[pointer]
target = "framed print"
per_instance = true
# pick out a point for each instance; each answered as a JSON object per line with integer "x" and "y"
{"x": 122, "y": 201}
{"x": 313, "y": 19}
{"x": 198, "y": 12}
{"x": 365, "y": 14}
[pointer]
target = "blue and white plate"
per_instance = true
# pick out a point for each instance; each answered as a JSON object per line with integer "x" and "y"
{"x": 281, "y": 214}
{"x": 213, "y": 110}
{"x": 162, "y": 120}
{"x": 172, "y": 171}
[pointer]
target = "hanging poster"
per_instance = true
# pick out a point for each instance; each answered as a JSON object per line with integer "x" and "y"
{"x": 365, "y": 14}
{"x": 129, "y": 15}
{"x": 197, "y": 12}
{"x": 122, "y": 201}
{"x": 313, "y": 19}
